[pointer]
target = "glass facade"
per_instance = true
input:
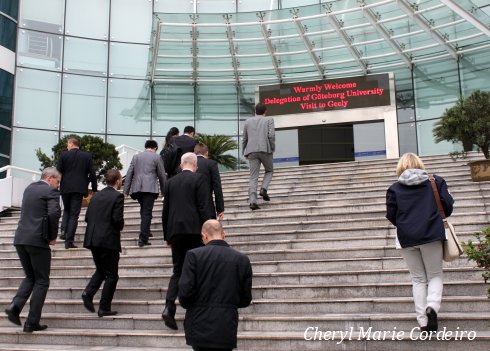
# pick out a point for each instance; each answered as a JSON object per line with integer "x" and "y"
{"x": 8, "y": 39}
{"x": 128, "y": 70}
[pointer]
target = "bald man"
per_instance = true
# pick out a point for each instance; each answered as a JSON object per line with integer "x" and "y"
{"x": 216, "y": 280}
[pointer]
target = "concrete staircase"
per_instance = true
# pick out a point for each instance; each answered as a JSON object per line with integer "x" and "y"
{"x": 323, "y": 256}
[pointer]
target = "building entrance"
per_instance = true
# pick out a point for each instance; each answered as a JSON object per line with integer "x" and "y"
{"x": 326, "y": 144}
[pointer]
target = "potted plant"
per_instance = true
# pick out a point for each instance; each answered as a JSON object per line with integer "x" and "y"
{"x": 104, "y": 157}
{"x": 218, "y": 145}
{"x": 480, "y": 253}
{"x": 468, "y": 122}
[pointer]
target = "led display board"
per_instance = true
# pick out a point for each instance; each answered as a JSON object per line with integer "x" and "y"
{"x": 326, "y": 95}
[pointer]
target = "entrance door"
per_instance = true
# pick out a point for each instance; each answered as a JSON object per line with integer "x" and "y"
{"x": 326, "y": 143}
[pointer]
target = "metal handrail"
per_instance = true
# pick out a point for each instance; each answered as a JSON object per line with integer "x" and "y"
{"x": 9, "y": 169}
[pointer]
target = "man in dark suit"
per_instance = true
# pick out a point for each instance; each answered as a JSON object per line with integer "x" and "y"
{"x": 186, "y": 141}
{"x": 185, "y": 209}
{"x": 145, "y": 177}
{"x": 105, "y": 220}
{"x": 216, "y": 280}
{"x": 209, "y": 169}
{"x": 78, "y": 171}
{"x": 37, "y": 230}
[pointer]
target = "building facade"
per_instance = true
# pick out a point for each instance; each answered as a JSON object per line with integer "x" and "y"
{"x": 128, "y": 70}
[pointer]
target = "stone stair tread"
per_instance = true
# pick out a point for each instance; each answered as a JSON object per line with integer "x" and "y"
{"x": 39, "y": 347}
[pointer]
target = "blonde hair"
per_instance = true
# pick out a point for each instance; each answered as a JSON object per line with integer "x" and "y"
{"x": 409, "y": 160}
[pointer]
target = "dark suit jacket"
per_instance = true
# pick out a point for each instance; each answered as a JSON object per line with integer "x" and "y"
{"x": 105, "y": 220}
{"x": 77, "y": 172}
{"x": 185, "y": 206}
{"x": 209, "y": 170}
{"x": 186, "y": 143}
{"x": 216, "y": 280}
{"x": 40, "y": 212}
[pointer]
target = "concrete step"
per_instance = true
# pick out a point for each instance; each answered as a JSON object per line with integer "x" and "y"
{"x": 355, "y": 340}
{"x": 280, "y": 322}
{"x": 279, "y": 278}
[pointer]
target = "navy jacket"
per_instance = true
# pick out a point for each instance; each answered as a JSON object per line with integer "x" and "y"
{"x": 210, "y": 172}
{"x": 413, "y": 210}
{"x": 40, "y": 212}
{"x": 216, "y": 280}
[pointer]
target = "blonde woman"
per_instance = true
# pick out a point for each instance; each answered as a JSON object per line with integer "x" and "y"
{"x": 411, "y": 207}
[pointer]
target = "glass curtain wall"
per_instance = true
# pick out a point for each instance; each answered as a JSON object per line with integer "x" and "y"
{"x": 8, "y": 37}
{"x": 85, "y": 66}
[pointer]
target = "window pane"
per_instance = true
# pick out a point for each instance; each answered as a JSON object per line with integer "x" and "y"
{"x": 5, "y": 135}
{"x": 39, "y": 50}
{"x": 216, "y": 6}
{"x": 436, "y": 88}
{"x": 10, "y": 7}
{"x": 133, "y": 141}
{"x": 129, "y": 109}
{"x": 129, "y": 60}
{"x": 8, "y": 32}
{"x": 87, "y": 18}
{"x": 83, "y": 108}
{"x": 407, "y": 137}
{"x": 6, "y": 93}
{"x": 85, "y": 56}
{"x": 217, "y": 110}
{"x": 37, "y": 99}
{"x": 176, "y": 6}
{"x": 426, "y": 143}
{"x": 45, "y": 15}
{"x": 126, "y": 12}
{"x": 475, "y": 72}
{"x": 173, "y": 106}
{"x": 26, "y": 141}
{"x": 257, "y": 5}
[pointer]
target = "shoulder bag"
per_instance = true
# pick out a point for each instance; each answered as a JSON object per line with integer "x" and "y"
{"x": 451, "y": 247}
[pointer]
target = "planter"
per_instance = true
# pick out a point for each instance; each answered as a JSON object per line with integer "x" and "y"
{"x": 480, "y": 170}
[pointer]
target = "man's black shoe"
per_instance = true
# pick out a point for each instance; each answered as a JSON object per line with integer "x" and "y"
{"x": 29, "y": 328}
{"x": 432, "y": 322}
{"x": 63, "y": 236}
{"x": 102, "y": 313}
{"x": 142, "y": 243}
{"x": 13, "y": 314}
{"x": 254, "y": 207}
{"x": 168, "y": 316}
{"x": 264, "y": 195}
{"x": 71, "y": 246}
{"x": 88, "y": 302}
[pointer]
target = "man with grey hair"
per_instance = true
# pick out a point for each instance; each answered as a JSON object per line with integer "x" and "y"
{"x": 37, "y": 230}
{"x": 185, "y": 209}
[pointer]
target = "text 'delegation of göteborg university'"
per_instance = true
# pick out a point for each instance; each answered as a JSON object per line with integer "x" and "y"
{"x": 326, "y": 95}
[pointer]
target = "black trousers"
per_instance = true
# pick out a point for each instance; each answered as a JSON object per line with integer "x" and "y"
{"x": 72, "y": 204}
{"x": 180, "y": 245}
{"x": 197, "y": 348}
{"x": 146, "y": 201}
{"x": 36, "y": 262}
{"x": 106, "y": 268}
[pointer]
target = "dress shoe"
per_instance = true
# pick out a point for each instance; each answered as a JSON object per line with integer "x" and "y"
{"x": 264, "y": 195}
{"x": 71, "y": 246}
{"x": 13, "y": 314}
{"x": 29, "y": 328}
{"x": 88, "y": 302}
{"x": 150, "y": 235}
{"x": 432, "y": 322}
{"x": 142, "y": 243}
{"x": 102, "y": 313}
{"x": 168, "y": 316}
{"x": 63, "y": 236}
{"x": 423, "y": 329}
{"x": 254, "y": 207}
